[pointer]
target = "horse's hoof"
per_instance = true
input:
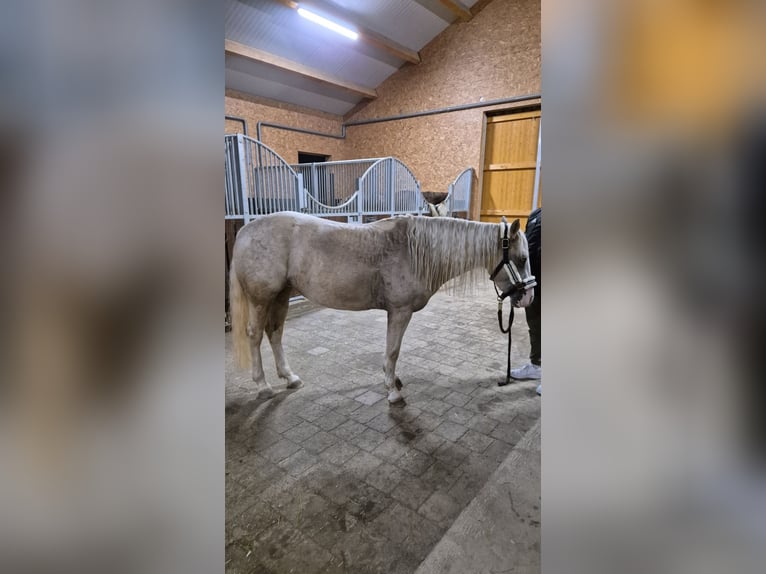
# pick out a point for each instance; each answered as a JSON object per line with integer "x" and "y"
{"x": 398, "y": 383}
{"x": 395, "y": 397}
{"x": 266, "y": 393}
{"x": 296, "y": 384}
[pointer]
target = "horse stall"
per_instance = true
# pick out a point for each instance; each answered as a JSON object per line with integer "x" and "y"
{"x": 368, "y": 431}
{"x": 258, "y": 181}
{"x": 457, "y": 201}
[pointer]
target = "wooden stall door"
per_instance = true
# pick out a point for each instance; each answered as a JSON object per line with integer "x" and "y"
{"x": 510, "y": 156}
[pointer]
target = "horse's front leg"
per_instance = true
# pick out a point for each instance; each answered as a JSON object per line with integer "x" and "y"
{"x": 397, "y": 323}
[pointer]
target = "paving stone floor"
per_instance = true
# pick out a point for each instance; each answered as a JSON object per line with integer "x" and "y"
{"x": 329, "y": 477}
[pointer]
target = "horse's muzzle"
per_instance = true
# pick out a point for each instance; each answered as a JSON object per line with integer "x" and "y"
{"x": 524, "y": 298}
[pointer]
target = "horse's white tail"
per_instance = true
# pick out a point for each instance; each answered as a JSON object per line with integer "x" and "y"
{"x": 239, "y": 310}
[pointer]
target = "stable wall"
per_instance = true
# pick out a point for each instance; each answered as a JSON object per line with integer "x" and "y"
{"x": 285, "y": 143}
{"x": 495, "y": 55}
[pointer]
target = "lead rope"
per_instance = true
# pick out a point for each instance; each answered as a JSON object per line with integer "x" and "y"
{"x": 508, "y": 330}
{"x": 500, "y": 298}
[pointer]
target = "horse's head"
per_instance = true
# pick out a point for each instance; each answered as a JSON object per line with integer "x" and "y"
{"x": 512, "y": 275}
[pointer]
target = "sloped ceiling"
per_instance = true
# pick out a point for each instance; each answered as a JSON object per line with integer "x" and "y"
{"x": 272, "y": 52}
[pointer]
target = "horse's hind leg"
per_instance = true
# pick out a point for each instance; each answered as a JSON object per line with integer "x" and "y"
{"x": 274, "y": 329}
{"x": 397, "y": 323}
{"x": 258, "y": 317}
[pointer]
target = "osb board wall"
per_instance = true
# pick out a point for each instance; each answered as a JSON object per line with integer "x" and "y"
{"x": 285, "y": 143}
{"x": 495, "y": 55}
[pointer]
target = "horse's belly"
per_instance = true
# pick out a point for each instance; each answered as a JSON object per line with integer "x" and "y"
{"x": 351, "y": 291}
{"x": 337, "y": 300}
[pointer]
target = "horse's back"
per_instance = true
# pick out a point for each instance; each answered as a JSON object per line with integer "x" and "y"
{"x": 338, "y": 265}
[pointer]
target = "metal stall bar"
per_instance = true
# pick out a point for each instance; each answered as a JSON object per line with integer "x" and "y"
{"x": 243, "y": 177}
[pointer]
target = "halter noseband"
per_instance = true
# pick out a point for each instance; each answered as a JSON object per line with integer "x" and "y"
{"x": 517, "y": 285}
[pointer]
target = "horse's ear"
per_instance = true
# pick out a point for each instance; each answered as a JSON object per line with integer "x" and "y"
{"x": 515, "y": 227}
{"x": 503, "y": 220}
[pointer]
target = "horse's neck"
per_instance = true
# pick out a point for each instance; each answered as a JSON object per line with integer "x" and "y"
{"x": 459, "y": 268}
{"x": 447, "y": 249}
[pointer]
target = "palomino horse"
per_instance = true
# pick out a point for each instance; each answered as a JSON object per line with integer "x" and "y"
{"x": 395, "y": 264}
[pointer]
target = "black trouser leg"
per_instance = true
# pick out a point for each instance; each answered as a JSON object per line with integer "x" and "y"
{"x": 533, "y": 311}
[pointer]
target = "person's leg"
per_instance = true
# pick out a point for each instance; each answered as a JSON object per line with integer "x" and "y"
{"x": 532, "y": 370}
{"x": 533, "y": 322}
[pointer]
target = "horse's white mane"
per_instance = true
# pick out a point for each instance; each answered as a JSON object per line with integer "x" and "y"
{"x": 443, "y": 248}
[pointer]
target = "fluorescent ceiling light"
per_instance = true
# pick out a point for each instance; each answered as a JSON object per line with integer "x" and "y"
{"x": 317, "y": 19}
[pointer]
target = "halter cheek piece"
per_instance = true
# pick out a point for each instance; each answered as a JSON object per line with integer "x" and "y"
{"x": 517, "y": 285}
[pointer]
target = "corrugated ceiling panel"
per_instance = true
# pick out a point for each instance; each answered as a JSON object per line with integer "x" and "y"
{"x": 287, "y": 78}
{"x": 280, "y": 92}
{"x": 405, "y": 22}
{"x": 279, "y": 30}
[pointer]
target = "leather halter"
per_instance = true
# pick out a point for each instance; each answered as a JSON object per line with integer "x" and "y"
{"x": 517, "y": 285}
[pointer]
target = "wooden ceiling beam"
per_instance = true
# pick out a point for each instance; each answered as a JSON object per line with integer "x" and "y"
{"x": 457, "y": 9}
{"x": 256, "y": 55}
{"x": 448, "y": 10}
{"x": 479, "y": 6}
{"x": 365, "y": 34}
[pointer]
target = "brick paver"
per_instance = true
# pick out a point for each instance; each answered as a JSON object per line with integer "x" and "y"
{"x": 329, "y": 477}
